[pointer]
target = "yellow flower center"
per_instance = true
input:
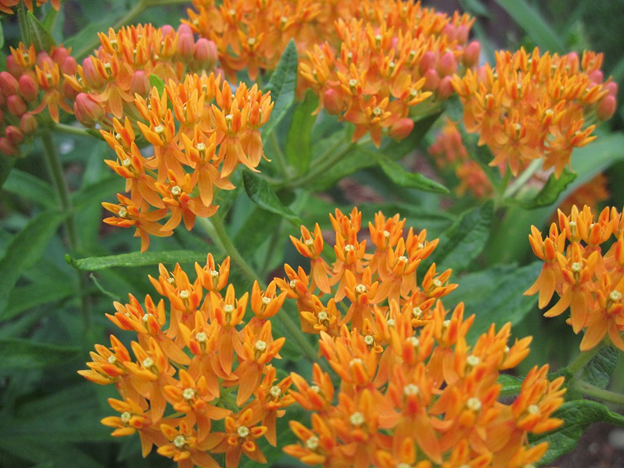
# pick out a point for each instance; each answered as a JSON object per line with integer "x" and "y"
{"x": 243, "y": 431}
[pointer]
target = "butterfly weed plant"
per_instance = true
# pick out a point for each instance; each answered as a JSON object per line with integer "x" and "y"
{"x": 337, "y": 207}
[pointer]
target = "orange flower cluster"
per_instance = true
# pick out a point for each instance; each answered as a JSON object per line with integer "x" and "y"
{"x": 531, "y": 106}
{"x": 196, "y": 362}
{"x": 588, "y": 282}
{"x": 391, "y": 60}
{"x": 32, "y": 83}
{"x": 201, "y": 131}
{"x": 109, "y": 80}
{"x": 412, "y": 391}
{"x": 449, "y": 152}
{"x": 7, "y": 5}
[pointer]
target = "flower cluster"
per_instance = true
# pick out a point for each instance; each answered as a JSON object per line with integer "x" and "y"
{"x": 198, "y": 358}
{"x": 109, "y": 80}
{"x": 449, "y": 153}
{"x": 32, "y": 83}
{"x": 200, "y": 131}
{"x": 587, "y": 280}
{"x": 6, "y": 6}
{"x": 412, "y": 391}
{"x": 532, "y": 106}
{"x": 393, "y": 58}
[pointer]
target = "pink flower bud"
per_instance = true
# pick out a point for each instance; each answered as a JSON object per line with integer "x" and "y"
{"x": 16, "y": 105}
{"x": 68, "y": 91}
{"x": 432, "y": 80}
{"x": 7, "y": 148}
{"x": 14, "y": 134}
{"x": 333, "y": 102}
{"x": 88, "y": 112}
{"x": 60, "y": 54}
{"x": 606, "y": 108}
{"x": 445, "y": 90}
{"x": 185, "y": 29}
{"x": 28, "y": 123}
{"x": 43, "y": 58}
{"x": 1, "y": 117}
{"x": 28, "y": 87}
{"x": 596, "y": 77}
{"x": 140, "y": 84}
{"x": 8, "y": 84}
{"x": 448, "y": 64}
{"x": 401, "y": 129}
{"x": 186, "y": 45}
{"x": 612, "y": 86}
{"x": 69, "y": 66}
{"x": 206, "y": 53}
{"x": 450, "y": 31}
{"x": 462, "y": 34}
{"x": 471, "y": 54}
{"x": 166, "y": 30}
{"x": 91, "y": 75}
{"x": 573, "y": 62}
{"x": 12, "y": 66}
{"x": 427, "y": 62}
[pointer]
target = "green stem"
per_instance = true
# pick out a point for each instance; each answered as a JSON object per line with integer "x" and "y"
{"x": 499, "y": 191}
{"x": 583, "y": 358}
{"x": 72, "y": 130}
{"x": 599, "y": 393}
{"x": 524, "y": 178}
{"x": 60, "y": 185}
{"x": 279, "y": 156}
{"x": 295, "y": 331}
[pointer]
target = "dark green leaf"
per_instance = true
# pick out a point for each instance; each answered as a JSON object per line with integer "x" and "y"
{"x": 496, "y": 295}
{"x": 6, "y": 165}
{"x": 27, "y": 297}
{"x": 1, "y": 36}
{"x": 298, "y": 148}
{"x": 97, "y": 192}
{"x": 49, "y": 20}
{"x": 30, "y": 187}
{"x": 511, "y": 385}
{"x": 135, "y": 259}
{"x": 25, "y": 354}
{"x": 577, "y": 415}
{"x": 259, "y": 191}
{"x": 551, "y": 191}
{"x": 464, "y": 240}
{"x": 258, "y": 227}
{"x": 530, "y": 19}
{"x": 157, "y": 83}
{"x": 24, "y": 248}
{"x": 599, "y": 369}
{"x": 39, "y": 36}
{"x": 476, "y": 7}
{"x": 282, "y": 85}
{"x": 401, "y": 177}
{"x": 42, "y": 451}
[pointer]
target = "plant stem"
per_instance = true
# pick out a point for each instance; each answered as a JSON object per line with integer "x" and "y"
{"x": 583, "y": 358}
{"x": 60, "y": 185}
{"x": 72, "y": 130}
{"x": 599, "y": 393}
{"x": 499, "y": 191}
{"x": 279, "y": 156}
{"x": 524, "y": 178}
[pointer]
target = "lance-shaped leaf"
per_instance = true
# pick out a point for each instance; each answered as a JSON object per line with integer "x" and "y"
{"x": 401, "y": 177}
{"x": 39, "y": 35}
{"x": 298, "y": 148}
{"x": 283, "y": 84}
{"x": 551, "y": 192}
{"x": 259, "y": 191}
{"x": 157, "y": 83}
{"x": 135, "y": 259}
{"x": 599, "y": 369}
{"x": 25, "y": 354}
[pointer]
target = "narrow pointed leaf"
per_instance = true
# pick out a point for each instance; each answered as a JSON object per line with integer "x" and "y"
{"x": 298, "y": 148}
{"x": 25, "y": 354}
{"x": 136, "y": 259}
{"x": 157, "y": 83}
{"x": 283, "y": 84}
{"x": 551, "y": 191}
{"x": 259, "y": 191}
{"x": 30, "y": 187}
{"x": 599, "y": 369}
{"x": 401, "y": 177}
{"x": 39, "y": 36}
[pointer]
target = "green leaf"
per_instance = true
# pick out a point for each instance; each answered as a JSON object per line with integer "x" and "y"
{"x": 25, "y": 354}
{"x": 401, "y": 177}
{"x": 39, "y": 36}
{"x": 49, "y": 20}
{"x": 510, "y": 385}
{"x": 28, "y": 297}
{"x": 97, "y": 192}
{"x": 42, "y": 451}
{"x": 24, "y": 248}
{"x": 283, "y": 84}
{"x": 599, "y": 369}
{"x": 1, "y": 35}
{"x": 530, "y": 19}
{"x": 30, "y": 187}
{"x": 496, "y": 295}
{"x": 577, "y": 416}
{"x": 464, "y": 240}
{"x": 258, "y": 227}
{"x": 259, "y": 191}
{"x": 6, "y": 165}
{"x": 135, "y": 259}
{"x": 551, "y": 191}
{"x": 298, "y": 142}
{"x": 157, "y": 83}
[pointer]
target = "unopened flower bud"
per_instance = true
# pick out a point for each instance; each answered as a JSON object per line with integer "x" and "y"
{"x": 16, "y": 105}
{"x": 471, "y": 54}
{"x": 427, "y": 62}
{"x": 8, "y": 84}
{"x": 448, "y": 64}
{"x": 166, "y": 30}
{"x": 140, "y": 84}
{"x": 28, "y": 123}
{"x": 606, "y": 108}
{"x": 60, "y": 54}
{"x": 450, "y": 31}
{"x": 14, "y": 134}
{"x": 462, "y": 33}
{"x": 612, "y": 86}
{"x": 185, "y": 46}
{"x": 184, "y": 29}
{"x": 28, "y": 88}
{"x": 401, "y": 129}
{"x": 596, "y": 77}
{"x": 91, "y": 75}
{"x": 44, "y": 58}
{"x": 13, "y": 67}
{"x": 445, "y": 89}
{"x": 432, "y": 80}
{"x": 332, "y": 102}
{"x": 88, "y": 112}
{"x": 68, "y": 91}
{"x": 69, "y": 66}
{"x": 206, "y": 53}
{"x": 7, "y": 148}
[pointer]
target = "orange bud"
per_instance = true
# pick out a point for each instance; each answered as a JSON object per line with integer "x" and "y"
{"x": 14, "y": 134}
{"x": 332, "y": 102}
{"x": 140, "y": 84}
{"x": 28, "y": 123}
{"x": 206, "y": 53}
{"x": 59, "y": 55}
{"x": 606, "y": 108}
{"x": 91, "y": 75}
{"x": 448, "y": 64}
{"x": 471, "y": 54}
{"x": 427, "y": 62}
{"x": 69, "y": 66}
{"x": 401, "y": 129}
{"x": 432, "y": 80}
{"x": 16, "y": 105}
{"x": 88, "y": 112}
{"x": 8, "y": 84}
{"x": 596, "y": 77}
{"x": 28, "y": 87}
{"x": 7, "y": 148}
{"x": 445, "y": 90}
{"x": 185, "y": 45}
{"x": 13, "y": 67}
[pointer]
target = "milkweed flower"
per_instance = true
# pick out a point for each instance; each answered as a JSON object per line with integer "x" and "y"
{"x": 531, "y": 106}
{"x": 587, "y": 277}
{"x": 6, "y": 6}
{"x": 195, "y": 362}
